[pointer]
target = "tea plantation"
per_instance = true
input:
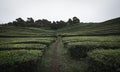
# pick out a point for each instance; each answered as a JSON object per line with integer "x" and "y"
{"x": 83, "y": 47}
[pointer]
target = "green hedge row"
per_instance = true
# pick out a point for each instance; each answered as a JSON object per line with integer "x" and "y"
{"x": 104, "y": 60}
{"x": 80, "y": 49}
{"x": 19, "y": 60}
{"x": 22, "y": 46}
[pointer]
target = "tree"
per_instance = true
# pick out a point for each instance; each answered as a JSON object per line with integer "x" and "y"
{"x": 53, "y": 25}
{"x": 61, "y": 24}
{"x": 30, "y": 20}
{"x": 43, "y": 23}
{"x": 69, "y": 22}
{"x": 76, "y": 20}
{"x": 19, "y": 22}
{"x": 10, "y": 23}
{"x": 38, "y": 23}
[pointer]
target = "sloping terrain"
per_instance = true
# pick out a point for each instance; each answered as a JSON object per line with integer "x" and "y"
{"x": 93, "y": 47}
{"x": 110, "y": 27}
{"x": 24, "y": 31}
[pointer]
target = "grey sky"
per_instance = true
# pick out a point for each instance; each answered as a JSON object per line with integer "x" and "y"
{"x": 85, "y": 10}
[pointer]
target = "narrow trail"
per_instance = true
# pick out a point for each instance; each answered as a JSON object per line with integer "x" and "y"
{"x": 56, "y": 59}
{"x": 50, "y": 61}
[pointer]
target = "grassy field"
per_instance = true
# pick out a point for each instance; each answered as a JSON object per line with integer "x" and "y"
{"x": 22, "y": 54}
{"x": 100, "y": 52}
{"x": 95, "y": 44}
{"x": 19, "y": 60}
{"x": 84, "y": 47}
{"x": 80, "y": 45}
{"x": 104, "y": 60}
{"x": 11, "y": 31}
{"x": 92, "y": 29}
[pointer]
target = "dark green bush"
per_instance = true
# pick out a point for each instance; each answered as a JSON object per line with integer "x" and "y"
{"x": 104, "y": 60}
{"x": 79, "y": 49}
{"x": 19, "y": 60}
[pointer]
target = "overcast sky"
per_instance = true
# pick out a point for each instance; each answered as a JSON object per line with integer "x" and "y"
{"x": 85, "y": 10}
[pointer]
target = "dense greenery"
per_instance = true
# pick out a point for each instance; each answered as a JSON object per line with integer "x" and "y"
{"x": 43, "y": 23}
{"x": 23, "y": 45}
{"x": 110, "y": 27}
{"x": 32, "y": 40}
{"x": 11, "y": 57}
{"x": 11, "y": 31}
{"x": 104, "y": 60}
{"x": 19, "y": 60}
{"x": 91, "y": 39}
{"x": 80, "y": 45}
{"x": 22, "y": 54}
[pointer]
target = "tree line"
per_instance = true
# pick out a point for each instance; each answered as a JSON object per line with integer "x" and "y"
{"x": 30, "y": 22}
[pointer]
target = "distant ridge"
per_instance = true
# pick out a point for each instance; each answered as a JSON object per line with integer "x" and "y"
{"x": 115, "y": 20}
{"x": 109, "y": 27}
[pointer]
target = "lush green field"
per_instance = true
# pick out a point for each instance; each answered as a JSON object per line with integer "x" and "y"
{"x": 27, "y": 40}
{"x": 22, "y": 54}
{"x": 91, "y": 29}
{"x": 24, "y": 32}
{"x": 80, "y": 45}
{"x": 22, "y": 46}
{"x": 19, "y": 60}
{"x": 104, "y": 59}
{"x": 90, "y": 47}
{"x": 25, "y": 43}
{"x": 92, "y": 39}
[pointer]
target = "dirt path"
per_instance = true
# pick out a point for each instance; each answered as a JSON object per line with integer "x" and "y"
{"x": 50, "y": 61}
{"x": 56, "y": 59}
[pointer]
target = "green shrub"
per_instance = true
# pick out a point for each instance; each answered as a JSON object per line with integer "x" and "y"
{"x": 80, "y": 49}
{"x": 92, "y": 39}
{"x": 22, "y": 46}
{"x": 19, "y": 60}
{"x": 104, "y": 60}
{"x": 45, "y": 41}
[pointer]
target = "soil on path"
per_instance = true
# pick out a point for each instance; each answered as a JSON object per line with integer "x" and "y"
{"x": 50, "y": 61}
{"x": 54, "y": 60}
{"x": 57, "y": 59}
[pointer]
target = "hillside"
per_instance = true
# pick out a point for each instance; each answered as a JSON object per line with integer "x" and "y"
{"x": 24, "y": 31}
{"x": 110, "y": 27}
{"x": 76, "y": 47}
